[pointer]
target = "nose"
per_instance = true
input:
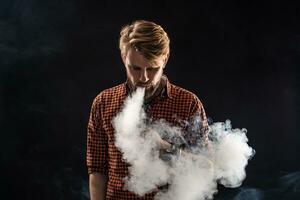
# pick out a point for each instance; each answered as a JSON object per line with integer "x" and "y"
{"x": 144, "y": 76}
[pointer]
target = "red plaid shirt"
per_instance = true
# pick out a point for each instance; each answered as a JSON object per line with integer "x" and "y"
{"x": 174, "y": 104}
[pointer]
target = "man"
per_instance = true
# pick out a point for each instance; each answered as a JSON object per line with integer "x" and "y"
{"x": 144, "y": 48}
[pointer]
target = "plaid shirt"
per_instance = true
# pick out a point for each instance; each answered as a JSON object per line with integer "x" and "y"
{"x": 102, "y": 155}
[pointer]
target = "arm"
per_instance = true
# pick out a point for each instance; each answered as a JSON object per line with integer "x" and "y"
{"x": 198, "y": 128}
{"x": 196, "y": 133}
{"x": 166, "y": 146}
{"x": 97, "y": 143}
{"x": 98, "y": 184}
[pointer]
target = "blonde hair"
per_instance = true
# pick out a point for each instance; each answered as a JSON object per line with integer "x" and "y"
{"x": 148, "y": 38}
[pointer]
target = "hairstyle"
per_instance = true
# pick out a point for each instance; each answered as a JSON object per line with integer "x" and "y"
{"x": 148, "y": 38}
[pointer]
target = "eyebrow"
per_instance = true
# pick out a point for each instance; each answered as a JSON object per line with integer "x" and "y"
{"x": 132, "y": 65}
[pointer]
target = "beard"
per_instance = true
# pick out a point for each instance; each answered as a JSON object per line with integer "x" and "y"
{"x": 150, "y": 91}
{"x": 150, "y": 88}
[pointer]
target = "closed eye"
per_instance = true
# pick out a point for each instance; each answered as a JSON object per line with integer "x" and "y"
{"x": 152, "y": 69}
{"x": 134, "y": 67}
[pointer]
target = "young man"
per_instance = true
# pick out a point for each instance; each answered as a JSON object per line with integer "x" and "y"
{"x": 145, "y": 51}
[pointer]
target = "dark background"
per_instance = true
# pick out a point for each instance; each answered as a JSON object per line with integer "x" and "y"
{"x": 56, "y": 56}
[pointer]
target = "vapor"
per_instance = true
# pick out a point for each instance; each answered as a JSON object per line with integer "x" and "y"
{"x": 194, "y": 175}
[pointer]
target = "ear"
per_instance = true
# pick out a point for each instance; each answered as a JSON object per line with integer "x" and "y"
{"x": 123, "y": 56}
{"x": 166, "y": 59}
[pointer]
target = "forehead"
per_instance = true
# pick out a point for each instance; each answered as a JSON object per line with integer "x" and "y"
{"x": 136, "y": 58}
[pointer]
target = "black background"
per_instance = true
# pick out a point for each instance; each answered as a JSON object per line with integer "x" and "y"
{"x": 56, "y": 56}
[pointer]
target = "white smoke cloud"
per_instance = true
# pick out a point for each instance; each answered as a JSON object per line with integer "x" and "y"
{"x": 230, "y": 153}
{"x": 190, "y": 176}
{"x": 147, "y": 170}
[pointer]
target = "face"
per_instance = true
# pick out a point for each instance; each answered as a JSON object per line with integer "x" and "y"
{"x": 141, "y": 73}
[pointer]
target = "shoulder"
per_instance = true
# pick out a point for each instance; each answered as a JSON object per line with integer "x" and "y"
{"x": 110, "y": 93}
{"x": 181, "y": 94}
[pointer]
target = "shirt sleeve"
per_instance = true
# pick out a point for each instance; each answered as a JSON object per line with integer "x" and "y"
{"x": 198, "y": 127}
{"x": 96, "y": 140}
